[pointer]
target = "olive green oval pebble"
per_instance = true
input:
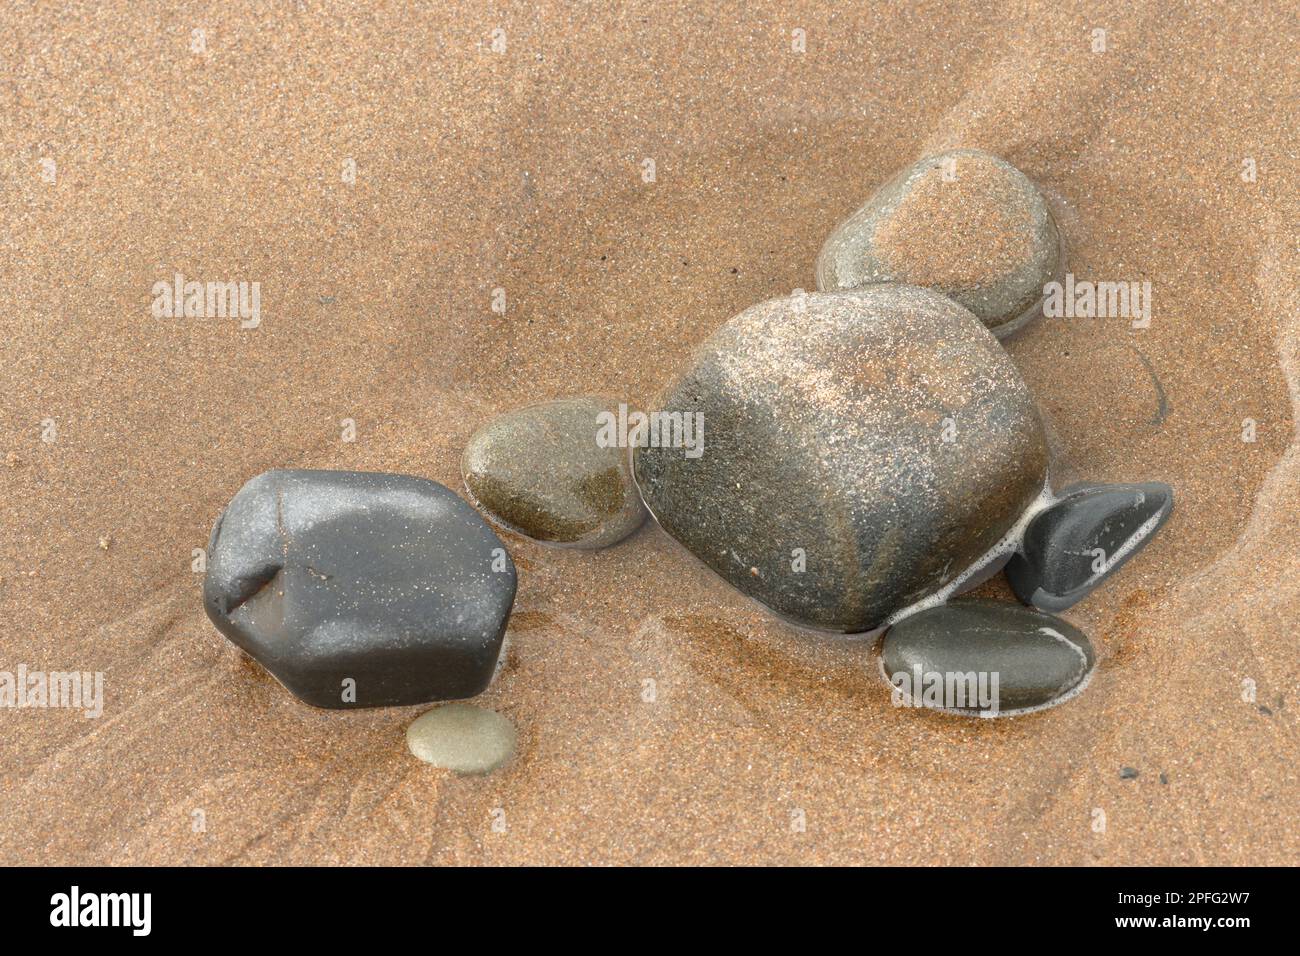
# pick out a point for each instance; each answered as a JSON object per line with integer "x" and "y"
{"x": 542, "y": 472}
{"x": 462, "y": 737}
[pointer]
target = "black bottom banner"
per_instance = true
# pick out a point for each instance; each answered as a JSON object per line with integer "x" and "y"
{"x": 336, "y": 905}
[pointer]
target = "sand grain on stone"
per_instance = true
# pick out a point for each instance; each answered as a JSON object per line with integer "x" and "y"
{"x": 963, "y": 233}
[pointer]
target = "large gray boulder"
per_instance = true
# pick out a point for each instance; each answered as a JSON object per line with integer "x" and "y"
{"x": 861, "y": 451}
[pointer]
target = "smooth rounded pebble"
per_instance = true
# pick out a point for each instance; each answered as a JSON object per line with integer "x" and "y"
{"x": 864, "y": 449}
{"x": 545, "y": 472}
{"x": 1070, "y": 548}
{"x": 964, "y": 223}
{"x": 462, "y": 737}
{"x": 1038, "y": 660}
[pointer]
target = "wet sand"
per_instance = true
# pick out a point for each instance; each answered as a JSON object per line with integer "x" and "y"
{"x": 523, "y": 171}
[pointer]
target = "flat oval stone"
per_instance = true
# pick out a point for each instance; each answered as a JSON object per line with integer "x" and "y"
{"x": 462, "y": 737}
{"x": 542, "y": 472}
{"x": 1070, "y": 548}
{"x": 863, "y": 449}
{"x": 1038, "y": 659}
{"x": 360, "y": 589}
{"x": 964, "y": 223}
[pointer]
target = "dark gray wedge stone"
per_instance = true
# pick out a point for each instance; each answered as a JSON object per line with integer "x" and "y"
{"x": 360, "y": 589}
{"x": 1078, "y": 542}
{"x": 985, "y": 657}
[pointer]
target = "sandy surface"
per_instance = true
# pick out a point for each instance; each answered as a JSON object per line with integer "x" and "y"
{"x": 523, "y": 170}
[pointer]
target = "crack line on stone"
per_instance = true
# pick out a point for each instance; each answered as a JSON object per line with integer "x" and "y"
{"x": 253, "y": 587}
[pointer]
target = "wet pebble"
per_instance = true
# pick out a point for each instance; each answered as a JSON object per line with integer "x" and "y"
{"x": 1039, "y": 660}
{"x": 964, "y": 223}
{"x": 542, "y": 472}
{"x": 359, "y": 589}
{"x": 462, "y": 737}
{"x": 1070, "y": 548}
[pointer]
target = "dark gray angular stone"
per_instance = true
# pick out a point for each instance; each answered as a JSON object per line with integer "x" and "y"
{"x": 1059, "y": 563}
{"x": 1039, "y": 659}
{"x": 390, "y": 581}
{"x": 883, "y": 433}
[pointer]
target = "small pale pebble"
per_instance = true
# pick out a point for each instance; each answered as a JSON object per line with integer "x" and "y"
{"x": 462, "y": 737}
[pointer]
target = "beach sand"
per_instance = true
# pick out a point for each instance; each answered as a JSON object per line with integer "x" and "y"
{"x": 524, "y": 170}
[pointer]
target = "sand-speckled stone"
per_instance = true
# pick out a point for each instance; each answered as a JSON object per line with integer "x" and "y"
{"x": 1070, "y": 548}
{"x": 390, "y": 582}
{"x": 964, "y": 223}
{"x": 540, "y": 471}
{"x": 462, "y": 737}
{"x": 883, "y": 439}
{"x": 1038, "y": 659}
